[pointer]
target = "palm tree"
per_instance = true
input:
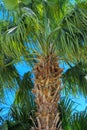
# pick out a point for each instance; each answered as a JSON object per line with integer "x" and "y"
{"x": 20, "y": 114}
{"x": 46, "y": 32}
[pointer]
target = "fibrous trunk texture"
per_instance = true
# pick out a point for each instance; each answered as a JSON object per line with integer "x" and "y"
{"x": 47, "y": 89}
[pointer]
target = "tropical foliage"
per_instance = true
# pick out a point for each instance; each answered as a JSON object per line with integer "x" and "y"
{"x": 42, "y": 32}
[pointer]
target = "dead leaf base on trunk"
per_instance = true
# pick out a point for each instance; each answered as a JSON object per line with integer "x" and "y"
{"x": 47, "y": 92}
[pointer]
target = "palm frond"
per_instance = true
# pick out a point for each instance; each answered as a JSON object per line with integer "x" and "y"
{"x": 10, "y": 6}
{"x": 23, "y": 93}
{"x": 8, "y": 75}
{"x": 67, "y": 107}
{"x": 71, "y": 36}
{"x": 23, "y": 108}
{"x": 4, "y": 126}
{"x": 74, "y": 78}
{"x": 79, "y": 120}
{"x": 73, "y": 26}
{"x": 72, "y": 120}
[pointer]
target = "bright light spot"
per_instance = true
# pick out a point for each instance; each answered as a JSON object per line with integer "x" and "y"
{"x": 85, "y": 76}
{"x": 12, "y": 29}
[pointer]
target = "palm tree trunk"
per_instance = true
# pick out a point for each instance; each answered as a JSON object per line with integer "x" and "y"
{"x": 47, "y": 91}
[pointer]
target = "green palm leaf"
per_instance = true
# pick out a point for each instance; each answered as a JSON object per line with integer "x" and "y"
{"x": 4, "y": 126}
{"x": 9, "y": 4}
{"x": 75, "y": 79}
{"x": 79, "y": 121}
{"x": 67, "y": 107}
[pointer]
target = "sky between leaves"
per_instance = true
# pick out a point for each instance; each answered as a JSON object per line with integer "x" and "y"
{"x": 22, "y": 68}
